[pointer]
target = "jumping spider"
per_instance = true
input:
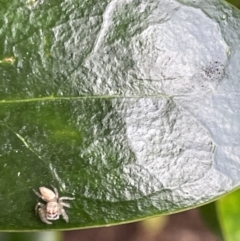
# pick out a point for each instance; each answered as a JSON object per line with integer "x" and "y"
{"x": 54, "y": 206}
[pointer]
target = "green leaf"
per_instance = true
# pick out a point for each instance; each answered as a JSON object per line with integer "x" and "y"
{"x": 236, "y": 3}
{"x": 209, "y": 213}
{"x": 131, "y": 107}
{"x": 229, "y": 215}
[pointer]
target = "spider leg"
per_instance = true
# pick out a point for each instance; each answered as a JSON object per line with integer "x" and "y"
{"x": 66, "y": 198}
{"x": 37, "y": 207}
{"x": 65, "y": 204}
{"x": 64, "y": 214}
{"x": 41, "y": 210}
{"x": 37, "y": 193}
{"x": 56, "y": 191}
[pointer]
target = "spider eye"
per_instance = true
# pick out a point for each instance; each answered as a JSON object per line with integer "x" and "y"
{"x": 51, "y": 216}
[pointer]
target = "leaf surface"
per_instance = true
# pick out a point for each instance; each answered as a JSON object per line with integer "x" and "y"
{"x": 131, "y": 107}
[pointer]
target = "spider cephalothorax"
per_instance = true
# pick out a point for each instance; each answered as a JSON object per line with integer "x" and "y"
{"x": 54, "y": 206}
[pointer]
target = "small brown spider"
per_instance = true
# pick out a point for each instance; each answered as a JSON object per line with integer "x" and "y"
{"x": 54, "y": 206}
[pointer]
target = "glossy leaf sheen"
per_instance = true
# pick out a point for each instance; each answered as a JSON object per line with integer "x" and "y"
{"x": 132, "y": 107}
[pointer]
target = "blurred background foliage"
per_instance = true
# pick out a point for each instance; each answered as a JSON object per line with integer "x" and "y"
{"x": 212, "y": 222}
